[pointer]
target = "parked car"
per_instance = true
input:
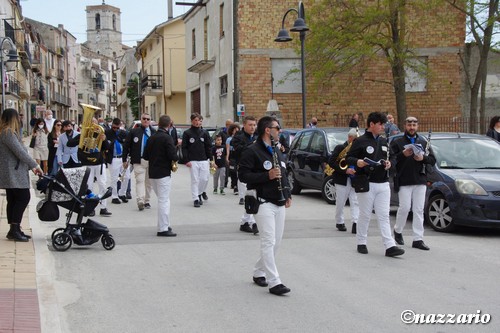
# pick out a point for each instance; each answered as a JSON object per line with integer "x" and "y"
{"x": 309, "y": 153}
{"x": 464, "y": 186}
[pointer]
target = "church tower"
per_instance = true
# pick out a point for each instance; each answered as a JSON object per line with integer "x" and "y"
{"x": 104, "y": 34}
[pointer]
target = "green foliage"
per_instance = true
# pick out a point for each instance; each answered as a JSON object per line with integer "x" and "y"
{"x": 133, "y": 96}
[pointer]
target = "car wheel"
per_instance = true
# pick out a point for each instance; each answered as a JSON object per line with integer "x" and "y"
{"x": 438, "y": 214}
{"x": 328, "y": 190}
{"x": 294, "y": 185}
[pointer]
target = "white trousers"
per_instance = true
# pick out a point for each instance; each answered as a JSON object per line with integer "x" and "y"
{"x": 115, "y": 168}
{"x": 162, "y": 188}
{"x": 344, "y": 192}
{"x": 271, "y": 223}
{"x": 411, "y": 197}
{"x": 142, "y": 183}
{"x": 99, "y": 173}
{"x": 378, "y": 199}
{"x": 199, "y": 178}
{"x": 245, "y": 218}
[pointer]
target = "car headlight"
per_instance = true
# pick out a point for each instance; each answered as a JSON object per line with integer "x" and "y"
{"x": 466, "y": 186}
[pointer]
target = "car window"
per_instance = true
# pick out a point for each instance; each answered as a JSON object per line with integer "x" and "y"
{"x": 304, "y": 140}
{"x": 336, "y": 138}
{"x": 466, "y": 153}
{"x": 317, "y": 144}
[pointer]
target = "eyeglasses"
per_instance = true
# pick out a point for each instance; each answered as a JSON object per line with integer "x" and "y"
{"x": 411, "y": 120}
{"x": 146, "y": 118}
{"x": 58, "y": 124}
{"x": 276, "y": 127}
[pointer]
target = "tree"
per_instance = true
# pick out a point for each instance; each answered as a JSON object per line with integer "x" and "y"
{"x": 133, "y": 96}
{"x": 347, "y": 34}
{"x": 482, "y": 23}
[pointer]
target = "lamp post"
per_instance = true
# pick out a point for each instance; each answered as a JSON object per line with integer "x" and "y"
{"x": 283, "y": 36}
{"x": 6, "y": 64}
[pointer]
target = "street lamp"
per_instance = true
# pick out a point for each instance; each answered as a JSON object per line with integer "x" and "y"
{"x": 8, "y": 59}
{"x": 283, "y": 36}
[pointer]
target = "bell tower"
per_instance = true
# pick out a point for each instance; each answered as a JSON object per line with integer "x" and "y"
{"x": 104, "y": 34}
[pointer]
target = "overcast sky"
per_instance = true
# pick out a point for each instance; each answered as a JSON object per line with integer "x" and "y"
{"x": 138, "y": 18}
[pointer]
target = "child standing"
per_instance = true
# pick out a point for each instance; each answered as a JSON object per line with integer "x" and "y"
{"x": 219, "y": 154}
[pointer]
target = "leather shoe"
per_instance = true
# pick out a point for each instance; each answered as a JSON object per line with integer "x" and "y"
{"x": 255, "y": 230}
{"x": 279, "y": 290}
{"x": 200, "y": 200}
{"x": 420, "y": 245}
{"x": 104, "y": 212}
{"x": 362, "y": 249}
{"x": 245, "y": 227}
{"x": 341, "y": 227}
{"x": 260, "y": 281}
{"x": 147, "y": 205}
{"x": 197, "y": 203}
{"x": 168, "y": 233}
{"x": 128, "y": 196}
{"x": 353, "y": 229}
{"x": 394, "y": 251}
{"x": 123, "y": 198}
{"x": 204, "y": 196}
{"x": 399, "y": 238}
{"x": 116, "y": 201}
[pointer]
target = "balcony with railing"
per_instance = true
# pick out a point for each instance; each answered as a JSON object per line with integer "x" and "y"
{"x": 152, "y": 84}
{"x": 61, "y": 99}
{"x": 12, "y": 87}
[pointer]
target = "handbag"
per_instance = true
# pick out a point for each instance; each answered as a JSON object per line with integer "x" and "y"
{"x": 32, "y": 142}
{"x": 47, "y": 211}
{"x": 361, "y": 183}
{"x": 252, "y": 203}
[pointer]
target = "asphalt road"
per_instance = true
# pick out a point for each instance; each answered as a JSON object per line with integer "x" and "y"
{"x": 201, "y": 281}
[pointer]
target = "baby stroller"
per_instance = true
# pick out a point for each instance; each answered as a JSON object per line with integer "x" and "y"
{"x": 69, "y": 190}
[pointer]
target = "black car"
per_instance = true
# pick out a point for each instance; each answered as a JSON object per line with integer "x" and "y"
{"x": 309, "y": 153}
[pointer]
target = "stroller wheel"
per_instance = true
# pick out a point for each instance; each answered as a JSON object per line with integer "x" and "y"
{"x": 62, "y": 241}
{"x": 57, "y": 231}
{"x": 108, "y": 242}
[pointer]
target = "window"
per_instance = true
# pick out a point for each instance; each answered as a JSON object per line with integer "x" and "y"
{"x": 98, "y": 21}
{"x": 286, "y": 76}
{"x": 193, "y": 43}
{"x": 223, "y": 85}
{"x": 80, "y": 96}
{"x": 304, "y": 140}
{"x": 221, "y": 20}
{"x": 416, "y": 74}
{"x": 114, "y": 22}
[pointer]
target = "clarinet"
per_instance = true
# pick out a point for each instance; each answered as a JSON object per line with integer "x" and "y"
{"x": 276, "y": 164}
{"x": 427, "y": 149}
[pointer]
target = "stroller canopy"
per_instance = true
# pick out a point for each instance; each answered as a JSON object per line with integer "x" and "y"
{"x": 70, "y": 182}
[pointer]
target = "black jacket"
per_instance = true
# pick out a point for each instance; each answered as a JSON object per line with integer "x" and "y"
{"x": 160, "y": 152}
{"x": 254, "y": 166}
{"x": 375, "y": 149}
{"x": 75, "y": 141}
{"x": 409, "y": 171}
{"x": 196, "y": 144}
{"x": 133, "y": 145}
{"x": 240, "y": 142}
{"x": 339, "y": 176}
{"x": 112, "y": 137}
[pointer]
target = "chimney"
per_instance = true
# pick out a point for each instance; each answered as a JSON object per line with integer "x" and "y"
{"x": 170, "y": 10}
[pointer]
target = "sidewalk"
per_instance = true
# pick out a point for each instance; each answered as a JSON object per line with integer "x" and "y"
{"x": 19, "y": 306}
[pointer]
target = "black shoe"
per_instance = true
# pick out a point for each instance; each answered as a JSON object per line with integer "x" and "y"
{"x": 245, "y": 227}
{"x": 197, "y": 203}
{"x": 168, "y": 233}
{"x": 147, "y": 206}
{"x": 92, "y": 213}
{"x": 362, "y": 249}
{"x": 255, "y": 230}
{"x": 204, "y": 196}
{"x": 279, "y": 290}
{"x": 399, "y": 238}
{"x": 104, "y": 212}
{"x": 420, "y": 245}
{"x": 341, "y": 227}
{"x": 242, "y": 201}
{"x": 200, "y": 200}
{"x": 16, "y": 234}
{"x": 116, "y": 201}
{"x": 353, "y": 229}
{"x": 394, "y": 251}
{"x": 260, "y": 281}
{"x": 129, "y": 196}
{"x": 122, "y": 198}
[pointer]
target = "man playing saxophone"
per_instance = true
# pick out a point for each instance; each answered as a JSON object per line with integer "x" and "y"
{"x": 342, "y": 179}
{"x": 263, "y": 169}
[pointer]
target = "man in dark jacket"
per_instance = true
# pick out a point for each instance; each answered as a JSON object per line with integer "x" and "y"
{"x": 116, "y": 138}
{"x": 134, "y": 147}
{"x": 160, "y": 152}
{"x": 197, "y": 150}
{"x": 263, "y": 169}
{"x": 411, "y": 154}
{"x": 370, "y": 155}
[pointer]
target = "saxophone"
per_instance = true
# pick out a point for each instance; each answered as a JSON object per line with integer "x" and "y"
{"x": 90, "y": 136}
{"x": 341, "y": 158}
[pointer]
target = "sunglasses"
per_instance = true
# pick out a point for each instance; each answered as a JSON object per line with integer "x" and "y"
{"x": 276, "y": 127}
{"x": 146, "y": 118}
{"x": 115, "y": 127}
{"x": 411, "y": 120}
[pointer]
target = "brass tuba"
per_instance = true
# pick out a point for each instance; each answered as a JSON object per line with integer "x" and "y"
{"x": 90, "y": 135}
